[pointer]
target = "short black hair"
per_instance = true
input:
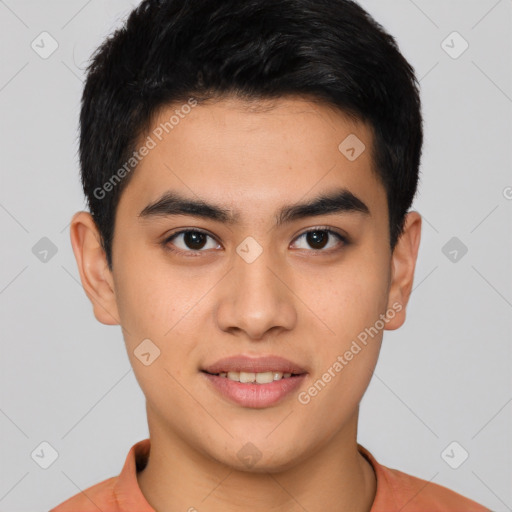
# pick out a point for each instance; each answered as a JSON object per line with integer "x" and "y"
{"x": 168, "y": 51}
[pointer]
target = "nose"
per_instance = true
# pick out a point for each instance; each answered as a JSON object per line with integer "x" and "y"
{"x": 255, "y": 299}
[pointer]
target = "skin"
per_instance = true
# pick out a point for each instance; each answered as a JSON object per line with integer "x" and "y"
{"x": 294, "y": 300}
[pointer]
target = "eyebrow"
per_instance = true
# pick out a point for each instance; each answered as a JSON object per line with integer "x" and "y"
{"x": 338, "y": 201}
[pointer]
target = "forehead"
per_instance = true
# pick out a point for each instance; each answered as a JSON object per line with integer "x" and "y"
{"x": 252, "y": 154}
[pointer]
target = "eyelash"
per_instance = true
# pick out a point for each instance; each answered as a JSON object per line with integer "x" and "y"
{"x": 195, "y": 253}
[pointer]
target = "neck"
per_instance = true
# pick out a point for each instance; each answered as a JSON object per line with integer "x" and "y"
{"x": 336, "y": 477}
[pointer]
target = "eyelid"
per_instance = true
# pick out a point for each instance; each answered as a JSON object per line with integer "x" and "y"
{"x": 180, "y": 231}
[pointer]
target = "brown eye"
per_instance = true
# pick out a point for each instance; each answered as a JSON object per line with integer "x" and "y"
{"x": 319, "y": 238}
{"x": 194, "y": 240}
{"x": 190, "y": 241}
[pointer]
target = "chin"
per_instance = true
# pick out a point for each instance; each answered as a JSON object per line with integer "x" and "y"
{"x": 262, "y": 458}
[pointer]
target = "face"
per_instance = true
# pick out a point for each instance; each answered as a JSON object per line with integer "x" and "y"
{"x": 248, "y": 279}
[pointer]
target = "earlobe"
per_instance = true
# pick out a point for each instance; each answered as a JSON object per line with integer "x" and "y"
{"x": 403, "y": 263}
{"x": 92, "y": 265}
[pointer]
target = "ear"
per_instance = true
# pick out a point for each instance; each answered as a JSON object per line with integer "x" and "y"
{"x": 403, "y": 263}
{"x": 92, "y": 264}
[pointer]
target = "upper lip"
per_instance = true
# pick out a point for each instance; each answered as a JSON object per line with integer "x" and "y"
{"x": 241, "y": 363}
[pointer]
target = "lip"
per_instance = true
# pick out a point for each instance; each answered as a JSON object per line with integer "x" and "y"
{"x": 257, "y": 396}
{"x": 241, "y": 363}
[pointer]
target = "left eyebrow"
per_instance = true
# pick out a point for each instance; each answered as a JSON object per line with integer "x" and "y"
{"x": 338, "y": 201}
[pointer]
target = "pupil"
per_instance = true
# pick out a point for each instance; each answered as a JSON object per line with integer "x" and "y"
{"x": 317, "y": 239}
{"x": 193, "y": 239}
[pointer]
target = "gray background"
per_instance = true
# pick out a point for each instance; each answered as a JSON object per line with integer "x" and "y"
{"x": 444, "y": 376}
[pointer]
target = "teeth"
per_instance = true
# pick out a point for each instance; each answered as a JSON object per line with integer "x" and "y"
{"x": 247, "y": 377}
{"x": 264, "y": 378}
{"x": 259, "y": 378}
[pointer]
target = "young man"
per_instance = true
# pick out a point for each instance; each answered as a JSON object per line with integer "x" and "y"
{"x": 249, "y": 167}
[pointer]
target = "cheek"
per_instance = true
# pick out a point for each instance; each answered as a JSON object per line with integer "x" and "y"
{"x": 157, "y": 314}
{"x": 356, "y": 297}
{"x": 157, "y": 302}
{"x": 149, "y": 292}
{"x": 357, "y": 321}
{"x": 350, "y": 299}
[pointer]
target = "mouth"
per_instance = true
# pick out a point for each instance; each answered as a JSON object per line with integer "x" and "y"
{"x": 255, "y": 377}
{"x": 254, "y": 382}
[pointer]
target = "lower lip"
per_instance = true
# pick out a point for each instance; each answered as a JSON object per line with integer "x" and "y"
{"x": 255, "y": 395}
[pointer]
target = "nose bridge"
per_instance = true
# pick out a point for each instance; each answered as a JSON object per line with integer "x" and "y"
{"x": 254, "y": 298}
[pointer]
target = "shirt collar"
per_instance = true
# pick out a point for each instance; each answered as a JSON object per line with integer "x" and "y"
{"x": 384, "y": 495}
{"x": 126, "y": 490}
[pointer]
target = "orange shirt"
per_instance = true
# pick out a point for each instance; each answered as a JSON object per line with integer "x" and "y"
{"x": 396, "y": 491}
